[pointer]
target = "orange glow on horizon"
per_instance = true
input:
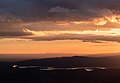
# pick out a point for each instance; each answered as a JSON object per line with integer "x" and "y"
{"x": 58, "y": 47}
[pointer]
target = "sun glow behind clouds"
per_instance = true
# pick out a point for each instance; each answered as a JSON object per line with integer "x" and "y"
{"x": 101, "y": 21}
{"x": 104, "y": 20}
{"x": 95, "y": 36}
{"x": 112, "y": 32}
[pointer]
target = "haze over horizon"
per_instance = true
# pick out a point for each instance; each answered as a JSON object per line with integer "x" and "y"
{"x": 59, "y": 26}
{"x": 22, "y": 57}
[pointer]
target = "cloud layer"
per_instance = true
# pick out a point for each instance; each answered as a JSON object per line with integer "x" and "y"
{"x": 55, "y": 9}
{"x": 16, "y": 15}
{"x": 95, "y": 36}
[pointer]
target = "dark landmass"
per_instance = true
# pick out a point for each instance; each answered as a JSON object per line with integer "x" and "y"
{"x": 76, "y": 76}
{"x": 75, "y": 61}
{"x": 9, "y": 74}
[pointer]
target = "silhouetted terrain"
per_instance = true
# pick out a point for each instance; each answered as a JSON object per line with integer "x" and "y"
{"x": 11, "y": 74}
{"x": 76, "y": 61}
{"x": 77, "y": 76}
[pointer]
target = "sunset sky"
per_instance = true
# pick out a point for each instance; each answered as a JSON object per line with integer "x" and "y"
{"x": 59, "y": 26}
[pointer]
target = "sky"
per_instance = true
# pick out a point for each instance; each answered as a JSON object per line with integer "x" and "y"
{"x": 59, "y": 26}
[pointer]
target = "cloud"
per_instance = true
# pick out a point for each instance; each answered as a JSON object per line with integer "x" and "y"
{"x": 30, "y": 10}
{"x": 7, "y": 17}
{"x": 16, "y": 13}
{"x": 13, "y": 34}
{"x": 61, "y": 10}
{"x": 95, "y": 16}
{"x": 83, "y": 38}
{"x": 96, "y": 36}
{"x": 13, "y": 39}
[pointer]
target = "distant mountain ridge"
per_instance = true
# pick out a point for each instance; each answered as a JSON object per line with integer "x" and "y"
{"x": 75, "y": 61}
{"x": 21, "y": 57}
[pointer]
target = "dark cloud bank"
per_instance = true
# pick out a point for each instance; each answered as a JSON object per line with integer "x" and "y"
{"x": 58, "y": 9}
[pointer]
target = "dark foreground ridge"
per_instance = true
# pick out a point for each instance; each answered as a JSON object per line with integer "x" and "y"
{"x": 68, "y": 70}
{"x": 76, "y": 76}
